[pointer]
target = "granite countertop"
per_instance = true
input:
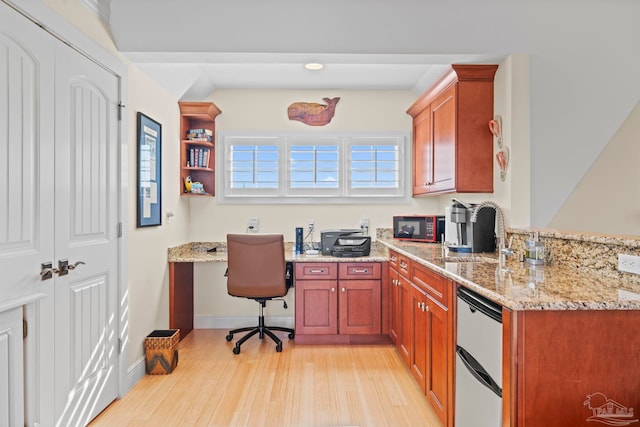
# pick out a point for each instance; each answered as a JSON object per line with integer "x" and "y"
{"x": 515, "y": 285}
{"x": 197, "y": 252}
{"x": 520, "y": 286}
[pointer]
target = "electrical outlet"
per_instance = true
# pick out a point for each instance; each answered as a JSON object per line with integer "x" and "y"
{"x": 364, "y": 225}
{"x": 254, "y": 225}
{"x": 629, "y": 263}
{"x": 311, "y": 226}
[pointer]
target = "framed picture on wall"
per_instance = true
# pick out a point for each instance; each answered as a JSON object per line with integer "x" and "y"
{"x": 149, "y": 171}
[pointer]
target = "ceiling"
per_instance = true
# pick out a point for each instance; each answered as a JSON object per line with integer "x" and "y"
{"x": 193, "y": 47}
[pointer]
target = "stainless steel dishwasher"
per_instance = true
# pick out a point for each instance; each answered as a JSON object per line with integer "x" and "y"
{"x": 478, "y": 361}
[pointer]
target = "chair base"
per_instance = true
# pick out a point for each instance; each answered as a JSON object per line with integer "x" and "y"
{"x": 261, "y": 330}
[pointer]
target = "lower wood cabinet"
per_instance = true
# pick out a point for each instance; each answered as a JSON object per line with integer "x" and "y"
{"x": 338, "y": 302}
{"x": 421, "y": 302}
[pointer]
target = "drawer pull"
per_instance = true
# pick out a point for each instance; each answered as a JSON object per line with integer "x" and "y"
{"x": 362, "y": 271}
{"x": 393, "y": 258}
{"x": 314, "y": 271}
{"x": 403, "y": 264}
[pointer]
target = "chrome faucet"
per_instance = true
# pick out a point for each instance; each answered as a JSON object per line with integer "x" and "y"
{"x": 503, "y": 250}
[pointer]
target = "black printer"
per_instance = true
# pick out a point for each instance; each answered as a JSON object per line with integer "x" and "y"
{"x": 345, "y": 243}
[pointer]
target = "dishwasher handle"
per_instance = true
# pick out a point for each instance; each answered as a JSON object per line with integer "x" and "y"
{"x": 478, "y": 371}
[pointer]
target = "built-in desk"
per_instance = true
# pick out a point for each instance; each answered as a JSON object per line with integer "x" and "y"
{"x": 182, "y": 258}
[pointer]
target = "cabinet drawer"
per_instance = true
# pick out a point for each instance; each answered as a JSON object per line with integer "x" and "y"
{"x": 404, "y": 266}
{"x": 359, "y": 270}
{"x": 393, "y": 260}
{"x": 433, "y": 283}
{"x": 316, "y": 270}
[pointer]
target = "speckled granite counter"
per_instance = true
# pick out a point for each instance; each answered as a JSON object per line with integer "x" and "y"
{"x": 520, "y": 286}
{"x": 197, "y": 252}
{"x": 581, "y": 273}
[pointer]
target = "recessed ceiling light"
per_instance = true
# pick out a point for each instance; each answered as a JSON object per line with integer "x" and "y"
{"x": 314, "y": 66}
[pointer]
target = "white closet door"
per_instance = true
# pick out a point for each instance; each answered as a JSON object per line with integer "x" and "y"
{"x": 26, "y": 197}
{"x": 26, "y": 155}
{"x": 86, "y": 203}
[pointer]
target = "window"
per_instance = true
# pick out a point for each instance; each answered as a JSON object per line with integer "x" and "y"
{"x": 298, "y": 168}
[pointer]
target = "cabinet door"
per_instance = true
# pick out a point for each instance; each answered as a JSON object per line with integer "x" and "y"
{"x": 406, "y": 329}
{"x": 359, "y": 307}
{"x": 316, "y": 307}
{"x": 421, "y": 334}
{"x": 396, "y": 319}
{"x": 11, "y": 372}
{"x": 443, "y": 124}
{"x": 422, "y": 153}
{"x": 439, "y": 364}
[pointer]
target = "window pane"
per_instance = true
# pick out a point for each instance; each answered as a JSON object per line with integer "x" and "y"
{"x": 374, "y": 166}
{"x": 314, "y": 166}
{"x": 253, "y": 166}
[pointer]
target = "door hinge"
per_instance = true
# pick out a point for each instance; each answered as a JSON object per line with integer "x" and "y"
{"x": 120, "y": 108}
{"x": 119, "y": 345}
{"x": 119, "y": 230}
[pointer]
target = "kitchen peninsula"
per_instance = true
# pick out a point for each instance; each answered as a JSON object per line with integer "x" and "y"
{"x": 569, "y": 327}
{"x": 569, "y": 339}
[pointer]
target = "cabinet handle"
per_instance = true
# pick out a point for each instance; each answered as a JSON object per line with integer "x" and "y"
{"x": 393, "y": 258}
{"x": 312, "y": 271}
{"x": 403, "y": 264}
{"x": 426, "y": 307}
{"x": 356, "y": 271}
{"x": 333, "y": 289}
{"x": 344, "y": 289}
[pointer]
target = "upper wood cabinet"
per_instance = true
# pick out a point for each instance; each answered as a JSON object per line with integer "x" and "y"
{"x": 197, "y": 154}
{"x": 452, "y": 144}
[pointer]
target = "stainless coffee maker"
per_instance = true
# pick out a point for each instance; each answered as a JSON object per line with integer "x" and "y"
{"x": 463, "y": 235}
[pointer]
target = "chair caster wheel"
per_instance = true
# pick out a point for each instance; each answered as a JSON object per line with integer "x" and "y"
{"x": 236, "y": 350}
{"x": 279, "y": 348}
{"x": 291, "y": 335}
{"x": 229, "y": 337}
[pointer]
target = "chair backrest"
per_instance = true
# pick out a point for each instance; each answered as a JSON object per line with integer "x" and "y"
{"x": 256, "y": 265}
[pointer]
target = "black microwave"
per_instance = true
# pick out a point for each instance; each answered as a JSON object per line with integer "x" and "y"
{"x": 419, "y": 228}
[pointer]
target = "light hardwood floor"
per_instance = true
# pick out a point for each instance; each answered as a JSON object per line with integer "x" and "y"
{"x": 303, "y": 386}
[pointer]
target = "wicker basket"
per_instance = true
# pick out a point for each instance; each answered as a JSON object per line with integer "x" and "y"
{"x": 161, "y": 351}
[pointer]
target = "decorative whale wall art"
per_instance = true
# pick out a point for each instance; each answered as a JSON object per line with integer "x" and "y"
{"x": 313, "y": 114}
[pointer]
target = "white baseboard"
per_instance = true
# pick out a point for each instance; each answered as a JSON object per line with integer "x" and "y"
{"x": 211, "y": 322}
{"x": 136, "y": 372}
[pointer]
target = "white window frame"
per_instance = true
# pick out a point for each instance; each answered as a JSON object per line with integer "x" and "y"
{"x": 285, "y": 140}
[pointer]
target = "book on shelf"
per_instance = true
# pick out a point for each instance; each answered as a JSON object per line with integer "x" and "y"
{"x": 200, "y": 131}
{"x": 199, "y": 157}
{"x": 198, "y": 137}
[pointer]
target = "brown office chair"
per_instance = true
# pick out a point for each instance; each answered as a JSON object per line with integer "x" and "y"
{"x": 257, "y": 270}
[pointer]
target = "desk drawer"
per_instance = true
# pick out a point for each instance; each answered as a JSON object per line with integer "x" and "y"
{"x": 316, "y": 270}
{"x": 359, "y": 270}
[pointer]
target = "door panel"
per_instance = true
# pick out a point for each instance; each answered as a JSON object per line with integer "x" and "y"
{"x": 443, "y": 117}
{"x": 317, "y": 300}
{"x": 359, "y": 307}
{"x": 86, "y": 218}
{"x": 26, "y": 152}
